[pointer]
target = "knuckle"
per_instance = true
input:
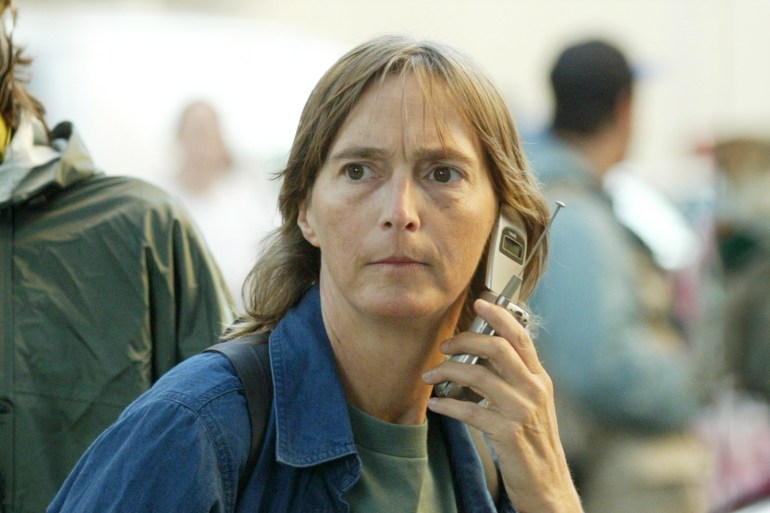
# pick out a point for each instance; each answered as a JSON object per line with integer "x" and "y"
{"x": 464, "y": 409}
{"x": 542, "y": 391}
{"x": 498, "y": 347}
{"x": 483, "y": 377}
{"x": 548, "y": 383}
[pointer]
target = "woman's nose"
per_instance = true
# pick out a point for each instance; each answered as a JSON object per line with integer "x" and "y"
{"x": 401, "y": 204}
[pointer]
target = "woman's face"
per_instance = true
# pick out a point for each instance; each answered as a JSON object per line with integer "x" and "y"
{"x": 400, "y": 214}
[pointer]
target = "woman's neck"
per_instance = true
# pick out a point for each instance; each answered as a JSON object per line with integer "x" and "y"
{"x": 381, "y": 361}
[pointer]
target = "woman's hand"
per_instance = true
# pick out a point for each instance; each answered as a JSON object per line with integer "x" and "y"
{"x": 518, "y": 414}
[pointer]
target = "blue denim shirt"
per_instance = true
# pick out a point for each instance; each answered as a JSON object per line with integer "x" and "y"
{"x": 182, "y": 445}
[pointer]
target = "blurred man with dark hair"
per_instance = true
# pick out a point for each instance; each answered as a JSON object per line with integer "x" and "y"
{"x": 105, "y": 286}
{"x": 592, "y": 83}
{"x": 623, "y": 375}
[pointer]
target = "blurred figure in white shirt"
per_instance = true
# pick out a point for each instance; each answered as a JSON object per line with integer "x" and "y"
{"x": 233, "y": 206}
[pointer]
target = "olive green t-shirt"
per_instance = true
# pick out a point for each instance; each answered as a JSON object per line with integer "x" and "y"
{"x": 405, "y": 468}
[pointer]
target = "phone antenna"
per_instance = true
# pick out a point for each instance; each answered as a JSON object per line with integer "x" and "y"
{"x": 559, "y": 206}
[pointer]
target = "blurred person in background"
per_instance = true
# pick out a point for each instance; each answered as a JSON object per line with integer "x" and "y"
{"x": 220, "y": 194}
{"x": 743, "y": 222}
{"x": 738, "y": 425}
{"x": 389, "y": 196}
{"x": 105, "y": 286}
{"x": 624, "y": 375}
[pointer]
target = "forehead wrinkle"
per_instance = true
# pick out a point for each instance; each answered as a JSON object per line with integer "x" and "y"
{"x": 405, "y": 112}
{"x": 433, "y": 119}
{"x": 374, "y": 92}
{"x": 438, "y": 142}
{"x": 433, "y": 142}
{"x": 438, "y": 105}
{"x": 398, "y": 82}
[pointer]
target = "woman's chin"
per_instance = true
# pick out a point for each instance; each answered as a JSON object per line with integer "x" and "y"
{"x": 406, "y": 307}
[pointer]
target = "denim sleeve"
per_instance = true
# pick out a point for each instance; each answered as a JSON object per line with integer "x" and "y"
{"x": 161, "y": 455}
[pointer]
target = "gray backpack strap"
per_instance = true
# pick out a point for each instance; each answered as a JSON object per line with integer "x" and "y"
{"x": 250, "y": 356}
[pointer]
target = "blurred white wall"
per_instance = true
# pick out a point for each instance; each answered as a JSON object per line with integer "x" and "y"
{"x": 124, "y": 75}
{"x": 123, "y": 68}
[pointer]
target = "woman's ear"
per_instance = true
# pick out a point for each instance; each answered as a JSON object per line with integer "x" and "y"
{"x": 305, "y": 222}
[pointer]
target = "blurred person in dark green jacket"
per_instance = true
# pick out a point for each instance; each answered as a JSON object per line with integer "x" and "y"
{"x": 106, "y": 285}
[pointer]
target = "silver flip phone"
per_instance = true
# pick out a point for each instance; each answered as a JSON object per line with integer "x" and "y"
{"x": 505, "y": 259}
{"x": 506, "y": 262}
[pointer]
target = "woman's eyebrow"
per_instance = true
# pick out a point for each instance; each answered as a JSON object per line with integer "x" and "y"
{"x": 444, "y": 154}
{"x": 423, "y": 154}
{"x": 360, "y": 152}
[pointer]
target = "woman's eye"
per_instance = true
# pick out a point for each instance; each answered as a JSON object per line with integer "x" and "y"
{"x": 445, "y": 174}
{"x": 357, "y": 171}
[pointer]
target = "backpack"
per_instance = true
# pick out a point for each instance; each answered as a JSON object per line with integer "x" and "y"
{"x": 250, "y": 356}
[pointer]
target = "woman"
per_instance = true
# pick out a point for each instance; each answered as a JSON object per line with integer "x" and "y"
{"x": 404, "y": 156}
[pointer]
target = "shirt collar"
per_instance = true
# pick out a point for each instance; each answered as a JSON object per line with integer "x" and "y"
{"x": 312, "y": 420}
{"x": 313, "y": 424}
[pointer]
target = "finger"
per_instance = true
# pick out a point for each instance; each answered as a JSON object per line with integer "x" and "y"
{"x": 473, "y": 414}
{"x": 477, "y": 376}
{"x": 510, "y": 348}
{"x": 493, "y": 351}
{"x": 509, "y": 386}
{"x": 507, "y": 327}
{"x": 509, "y": 397}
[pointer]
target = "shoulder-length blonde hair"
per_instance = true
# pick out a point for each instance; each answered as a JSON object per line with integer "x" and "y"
{"x": 289, "y": 265}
